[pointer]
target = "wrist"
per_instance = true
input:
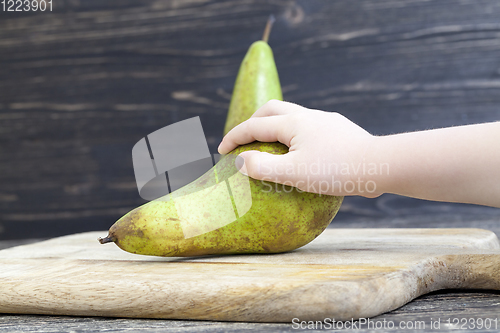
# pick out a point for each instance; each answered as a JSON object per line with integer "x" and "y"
{"x": 378, "y": 166}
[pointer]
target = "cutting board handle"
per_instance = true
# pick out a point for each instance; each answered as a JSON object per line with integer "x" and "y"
{"x": 473, "y": 271}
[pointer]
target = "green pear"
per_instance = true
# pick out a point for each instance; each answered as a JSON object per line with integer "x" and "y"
{"x": 257, "y": 83}
{"x": 224, "y": 211}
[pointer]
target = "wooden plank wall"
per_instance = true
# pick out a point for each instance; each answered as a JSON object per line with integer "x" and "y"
{"x": 81, "y": 85}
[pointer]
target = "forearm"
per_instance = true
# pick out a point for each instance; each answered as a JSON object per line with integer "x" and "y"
{"x": 456, "y": 164}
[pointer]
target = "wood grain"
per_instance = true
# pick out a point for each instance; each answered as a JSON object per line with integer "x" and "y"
{"x": 79, "y": 86}
{"x": 443, "y": 305}
{"x": 344, "y": 274}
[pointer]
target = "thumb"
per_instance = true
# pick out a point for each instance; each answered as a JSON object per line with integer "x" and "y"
{"x": 266, "y": 166}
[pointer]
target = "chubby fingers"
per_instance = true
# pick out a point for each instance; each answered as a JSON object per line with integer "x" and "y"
{"x": 277, "y": 108}
{"x": 264, "y": 129}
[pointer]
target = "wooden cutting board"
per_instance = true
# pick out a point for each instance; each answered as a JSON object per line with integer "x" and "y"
{"x": 343, "y": 274}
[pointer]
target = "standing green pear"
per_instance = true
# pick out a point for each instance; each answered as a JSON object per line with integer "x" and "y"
{"x": 257, "y": 82}
{"x": 223, "y": 211}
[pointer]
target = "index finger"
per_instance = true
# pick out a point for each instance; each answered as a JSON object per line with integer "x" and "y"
{"x": 264, "y": 129}
{"x": 276, "y": 107}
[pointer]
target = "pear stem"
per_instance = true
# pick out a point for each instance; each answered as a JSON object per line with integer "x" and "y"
{"x": 267, "y": 30}
{"x": 105, "y": 240}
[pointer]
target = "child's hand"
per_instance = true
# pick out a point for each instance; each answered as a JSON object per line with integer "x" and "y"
{"x": 327, "y": 152}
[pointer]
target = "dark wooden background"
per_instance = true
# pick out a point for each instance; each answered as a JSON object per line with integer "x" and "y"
{"x": 81, "y": 85}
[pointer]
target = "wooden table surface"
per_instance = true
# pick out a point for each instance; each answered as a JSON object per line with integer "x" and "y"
{"x": 81, "y": 85}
